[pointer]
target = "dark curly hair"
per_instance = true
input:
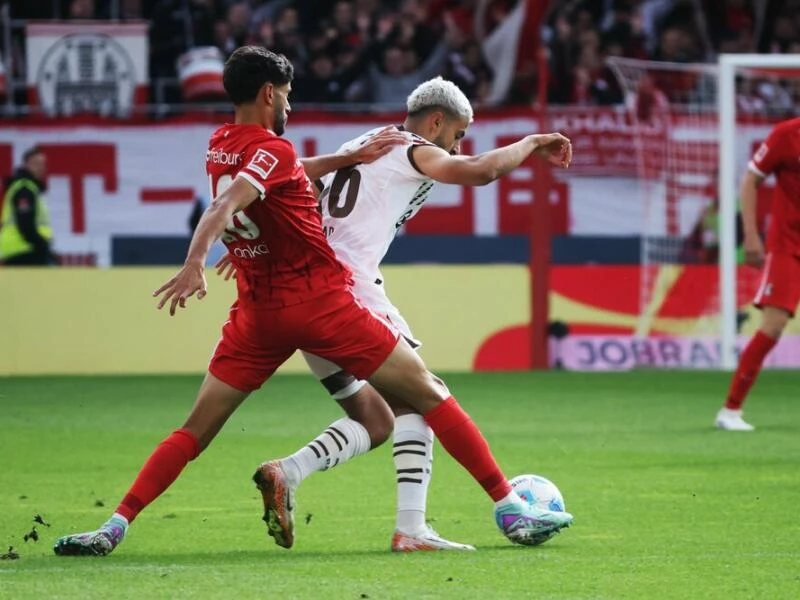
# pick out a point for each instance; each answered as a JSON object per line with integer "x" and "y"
{"x": 249, "y": 68}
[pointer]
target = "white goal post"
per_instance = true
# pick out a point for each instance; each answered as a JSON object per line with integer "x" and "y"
{"x": 695, "y": 126}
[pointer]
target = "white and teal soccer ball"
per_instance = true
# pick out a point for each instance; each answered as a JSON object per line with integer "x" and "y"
{"x": 539, "y": 491}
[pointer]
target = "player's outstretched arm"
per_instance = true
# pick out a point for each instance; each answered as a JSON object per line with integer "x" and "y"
{"x": 485, "y": 168}
{"x": 748, "y": 192}
{"x": 191, "y": 278}
{"x": 378, "y": 145}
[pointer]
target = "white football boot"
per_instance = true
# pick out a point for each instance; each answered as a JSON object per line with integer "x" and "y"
{"x": 731, "y": 420}
{"x": 427, "y": 539}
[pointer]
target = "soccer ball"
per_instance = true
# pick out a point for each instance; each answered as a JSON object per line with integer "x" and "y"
{"x": 539, "y": 491}
{"x": 542, "y": 492}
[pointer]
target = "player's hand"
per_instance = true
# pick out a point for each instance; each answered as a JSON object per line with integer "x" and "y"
{"x": 379, "y": 144}
{"x": 754, "y": 251}
{"x": 190, "y": 280}
{"x": 554, "y": 148}
{"x": 225, "y": 267}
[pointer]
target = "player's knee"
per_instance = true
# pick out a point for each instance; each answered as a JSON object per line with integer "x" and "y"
{"x": 434, "y": 386}
{"x": 431, "y": 391}
{"x": 441, "y": 385}
{"x": 774, "y": 322}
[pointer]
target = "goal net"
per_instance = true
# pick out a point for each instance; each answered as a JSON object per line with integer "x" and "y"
{"x": 695, "y": 126}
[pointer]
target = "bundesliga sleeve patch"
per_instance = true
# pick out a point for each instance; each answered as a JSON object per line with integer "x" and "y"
{"x": 262, "y": 163}
{"x": 761, "y": 153}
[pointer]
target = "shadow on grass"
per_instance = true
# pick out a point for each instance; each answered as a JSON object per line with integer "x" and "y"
{"x": 275, "y": 555}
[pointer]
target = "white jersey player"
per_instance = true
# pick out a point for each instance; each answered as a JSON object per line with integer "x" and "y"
{"x": 363, "y": 207}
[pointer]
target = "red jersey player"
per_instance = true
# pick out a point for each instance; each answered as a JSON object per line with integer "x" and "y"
{"x": 293, "y": 294}
{"x": 779, "y": 289}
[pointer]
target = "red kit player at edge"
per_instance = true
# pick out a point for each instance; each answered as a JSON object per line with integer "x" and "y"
{"x": 292, "y": 294}
{"x": 779, "y": 288}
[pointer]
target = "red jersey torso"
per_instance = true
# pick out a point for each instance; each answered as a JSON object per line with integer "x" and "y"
{"x": 277, "y": 244}
{"x": 780, "y": 154}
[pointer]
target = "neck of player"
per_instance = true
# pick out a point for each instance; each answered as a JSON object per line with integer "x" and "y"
{"x": 417, "y": 127}
{"x": 251, "y": 114}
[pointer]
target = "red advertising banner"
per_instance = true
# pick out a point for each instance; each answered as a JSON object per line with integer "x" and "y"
{"x": 128, "y": 178}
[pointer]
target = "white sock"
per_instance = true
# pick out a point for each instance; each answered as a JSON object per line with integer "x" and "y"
{"x": 412, "y": 451}
{"x": 512, "y": 498}
{"x": 118, "y": 517}
{"x": 341, "y": 441}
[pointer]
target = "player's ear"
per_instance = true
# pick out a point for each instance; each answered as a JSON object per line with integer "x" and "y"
{"x": 437, "y": 120}
{"x": 269, "y": 93}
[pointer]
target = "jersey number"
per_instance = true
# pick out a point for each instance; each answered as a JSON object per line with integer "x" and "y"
{"x": 240, "y": 227}
{"x": 352, "y": 177}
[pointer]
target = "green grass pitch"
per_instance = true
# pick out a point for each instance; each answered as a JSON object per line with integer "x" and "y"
{"x": 665, "y": 506}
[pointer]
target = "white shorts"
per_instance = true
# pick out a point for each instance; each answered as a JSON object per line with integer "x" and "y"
{"x": 339, "y": 383}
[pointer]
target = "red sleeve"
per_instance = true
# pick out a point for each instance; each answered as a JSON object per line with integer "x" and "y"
{"x": 770, "y": 154}
{"x": 269, "y": 164}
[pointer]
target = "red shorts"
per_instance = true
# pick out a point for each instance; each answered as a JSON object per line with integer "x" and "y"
{"x": 780, "y": 283}
{"x": 256, "y": 341}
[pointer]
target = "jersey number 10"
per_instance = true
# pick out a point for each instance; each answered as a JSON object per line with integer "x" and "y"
{"x": 332, "y": 194}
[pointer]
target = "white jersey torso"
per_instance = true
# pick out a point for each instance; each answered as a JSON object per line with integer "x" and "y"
{"x": 364, "y": 206}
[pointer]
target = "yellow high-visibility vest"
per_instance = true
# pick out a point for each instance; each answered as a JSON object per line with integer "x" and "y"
{"x": 711, "y": 235}
{"x": 11, "y": 241}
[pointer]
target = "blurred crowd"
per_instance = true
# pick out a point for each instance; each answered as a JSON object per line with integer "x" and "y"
{"x": 581, "y": 35}
{"x": 349, "y": 51}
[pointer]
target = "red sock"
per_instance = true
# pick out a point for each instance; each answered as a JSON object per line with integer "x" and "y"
{"x": 463, "y": 441}
{"x": 158, "y": 473}
{"x": 749, "y": 366}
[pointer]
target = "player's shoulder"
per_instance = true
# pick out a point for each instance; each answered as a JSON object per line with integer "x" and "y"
{"x": 269, "y": 141}
{"x": 783, "y": 142}
{"x": 418, "y": 140}
{"x": 788, "y": 126}
{"x": 411, "y": 138}
{"x": 251, "y": 138}
{"x": 398, "y": 162}
{"x": 221, "y": 134}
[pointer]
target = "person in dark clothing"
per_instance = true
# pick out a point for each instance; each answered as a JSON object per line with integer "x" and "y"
{"x": 25, "y": 232}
